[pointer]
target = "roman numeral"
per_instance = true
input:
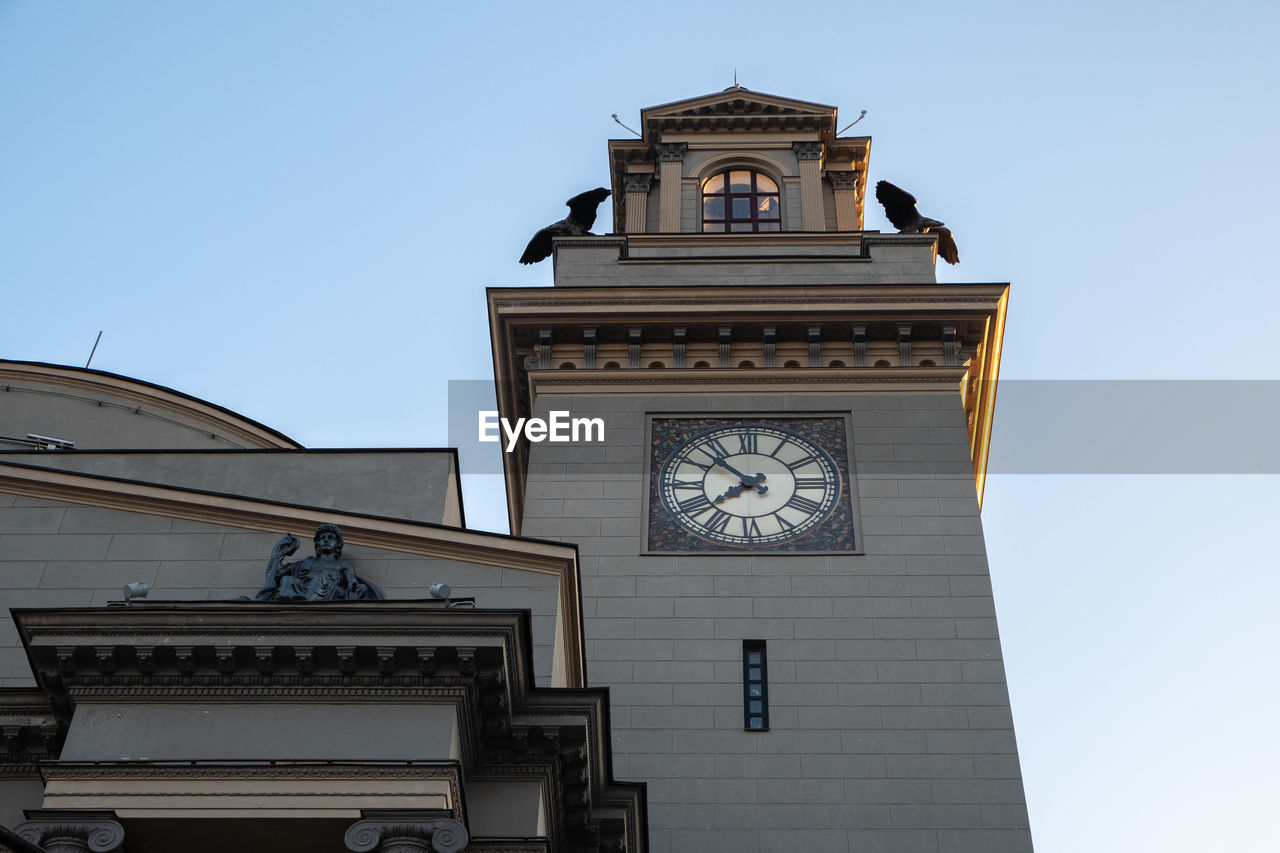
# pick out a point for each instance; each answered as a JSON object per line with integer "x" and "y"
{"x": 810, "y": 483}
{"x": 801, "y": 462}
{"x": 718, "y": 522}
{"x": 803, "y": 504}
{"x": 750, "y": 527}
{"x": 720, "y": 451}
{"x": 687, "y": 484}
{"x": 748, "y": 442}
{"x": 695, "y": 505}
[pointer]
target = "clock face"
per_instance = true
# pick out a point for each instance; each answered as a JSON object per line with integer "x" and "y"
{"x": 749, "y": 484}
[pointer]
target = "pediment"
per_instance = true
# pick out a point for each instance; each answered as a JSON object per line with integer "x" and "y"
{"x": 737, "y": 108}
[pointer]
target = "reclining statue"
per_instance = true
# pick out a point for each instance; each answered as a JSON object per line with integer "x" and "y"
{"x": 324, "y": 577}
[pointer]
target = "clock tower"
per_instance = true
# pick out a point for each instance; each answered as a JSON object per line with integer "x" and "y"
{"x": 784, "y": 580}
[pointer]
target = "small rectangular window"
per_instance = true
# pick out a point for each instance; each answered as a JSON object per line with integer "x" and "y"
{"x": 755, "y": 686}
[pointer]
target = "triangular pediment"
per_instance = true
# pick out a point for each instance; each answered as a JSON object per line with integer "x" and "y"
{"x": 737, "y": 108}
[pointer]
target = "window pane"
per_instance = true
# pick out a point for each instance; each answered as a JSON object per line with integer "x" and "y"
{"x": 741, "y": 226}
{"x": 755, "y": 690}
{"x": 768, "y": 207}
{"x": 756, "y": 723}
{"x": 771, "y": 226}
{"x": 753, "y": 657}
{"x": 739, "y": 182}
{"x": 713, "y": 208}
{"x": 755, "y": 706}
{"x": 765, "y": 185}
{"x": 741, "y": 208}
{"x": 714, "y": 184}
{"x": 754, "y": 673}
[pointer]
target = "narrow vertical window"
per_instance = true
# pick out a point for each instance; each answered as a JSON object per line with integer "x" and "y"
{"x": 755, "y": 686}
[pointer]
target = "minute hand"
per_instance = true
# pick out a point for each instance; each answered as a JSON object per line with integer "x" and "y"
{"x": 751, "y": 481}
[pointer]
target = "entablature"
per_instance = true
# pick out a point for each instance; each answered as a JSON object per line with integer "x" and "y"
{"x": 163, "y": 659}
{"x": 678, "y": 340}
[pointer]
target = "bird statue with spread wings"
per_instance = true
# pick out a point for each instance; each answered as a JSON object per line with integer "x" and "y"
{"x": 900, "y": 209}
{"x": 582, "y": 215}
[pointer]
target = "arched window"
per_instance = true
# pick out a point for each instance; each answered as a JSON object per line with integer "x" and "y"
{"x": 739, "y": 200}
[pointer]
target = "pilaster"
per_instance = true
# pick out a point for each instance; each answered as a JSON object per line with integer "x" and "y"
{"x": 637, "y": 186}
{"x": 809, "y": 155}
{"x": 845, "y": 185}
{"x": 670, "y": 173}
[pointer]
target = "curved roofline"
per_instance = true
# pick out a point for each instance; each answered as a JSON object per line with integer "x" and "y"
{"x": 258, "y": 435}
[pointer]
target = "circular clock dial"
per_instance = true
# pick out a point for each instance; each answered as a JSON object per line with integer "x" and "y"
{"x": 749, "y": 484}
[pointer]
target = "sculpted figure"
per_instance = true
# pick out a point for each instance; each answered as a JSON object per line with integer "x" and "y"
{"x": 324, "y": 577}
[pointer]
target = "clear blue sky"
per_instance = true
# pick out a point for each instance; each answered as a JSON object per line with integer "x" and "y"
{"x": 292, "y": 209}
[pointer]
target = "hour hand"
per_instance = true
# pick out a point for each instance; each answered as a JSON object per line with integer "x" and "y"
{"x": 731, "y": 492}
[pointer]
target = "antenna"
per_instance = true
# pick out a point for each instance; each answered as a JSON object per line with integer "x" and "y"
{"x": 95, "y": 349}
{"x": 619, "y": 121}
{"x": 860, "y": 117}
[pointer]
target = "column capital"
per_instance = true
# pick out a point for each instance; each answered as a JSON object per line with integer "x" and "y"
{"x": 637, "y": 182}
{"x": 403, "y": 833}
{"x": 68, "y": 831}
{"x": 842, "y": 179}
{"x": 807, "y": 150}
{"x": 670, "y": 152}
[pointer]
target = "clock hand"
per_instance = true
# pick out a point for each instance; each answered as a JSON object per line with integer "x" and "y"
{"x": 732, "y": 492}
{"x": 738, "y": 488}
{"x": 734, "y": 471}
{"x": 748, "y": 481}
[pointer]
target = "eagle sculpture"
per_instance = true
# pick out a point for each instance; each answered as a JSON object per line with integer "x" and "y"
{"x": 582, "y": 215}
{"x": 900, "y": 208}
